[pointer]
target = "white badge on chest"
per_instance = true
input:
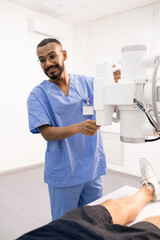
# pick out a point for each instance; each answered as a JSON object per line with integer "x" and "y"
{"x": 87, "y": 108}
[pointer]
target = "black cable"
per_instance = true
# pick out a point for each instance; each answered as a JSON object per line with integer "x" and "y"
{"x": 151, "y": 120}
{"x": 149, "y": 117}
{"x": 152, "y": 140}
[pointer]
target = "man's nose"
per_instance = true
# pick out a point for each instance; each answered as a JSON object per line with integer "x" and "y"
{"x": 48, "y": 62}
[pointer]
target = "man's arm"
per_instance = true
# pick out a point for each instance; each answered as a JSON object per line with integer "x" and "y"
{"x": 87, "y": 127}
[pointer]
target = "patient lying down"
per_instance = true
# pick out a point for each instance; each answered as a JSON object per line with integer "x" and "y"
{"x": 108, "y": 219}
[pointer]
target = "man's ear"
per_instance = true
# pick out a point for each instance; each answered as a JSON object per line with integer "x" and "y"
{"x": 64, "y": 54}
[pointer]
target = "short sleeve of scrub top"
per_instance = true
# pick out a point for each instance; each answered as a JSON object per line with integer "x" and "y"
{"x": 36, "y": 113}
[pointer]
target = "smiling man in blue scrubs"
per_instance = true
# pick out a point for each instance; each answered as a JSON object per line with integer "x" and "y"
{"x": 61, "y": 109}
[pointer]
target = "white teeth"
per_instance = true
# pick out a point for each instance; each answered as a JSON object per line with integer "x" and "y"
{"x": 51, "y": 68}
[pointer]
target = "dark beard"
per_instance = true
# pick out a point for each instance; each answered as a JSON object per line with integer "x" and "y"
{"x": 56, "y": 76}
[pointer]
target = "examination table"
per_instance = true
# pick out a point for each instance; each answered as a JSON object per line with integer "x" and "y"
{"x": 151, "y": 209}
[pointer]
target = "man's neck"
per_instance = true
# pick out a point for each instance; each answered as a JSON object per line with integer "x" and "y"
{"x": 63, "y": 80}
{"x": 62, "y": 83}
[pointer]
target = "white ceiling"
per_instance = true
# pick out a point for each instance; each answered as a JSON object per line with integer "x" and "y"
{"x": 78, "y": 11}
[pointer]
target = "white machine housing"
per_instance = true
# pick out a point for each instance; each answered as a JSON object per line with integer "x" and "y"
{"x": 134, "y": 84}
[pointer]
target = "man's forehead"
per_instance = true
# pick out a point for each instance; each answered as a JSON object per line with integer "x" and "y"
{"x": 50, "y": 47}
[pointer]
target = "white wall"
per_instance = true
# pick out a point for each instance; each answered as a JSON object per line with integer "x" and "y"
{"x": 103, "y": 41}
{"x": 105, "y": 37}
{"x": 19, "y": 73}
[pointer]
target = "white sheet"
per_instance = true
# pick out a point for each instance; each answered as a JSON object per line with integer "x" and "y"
{"x": 151, "y": 209}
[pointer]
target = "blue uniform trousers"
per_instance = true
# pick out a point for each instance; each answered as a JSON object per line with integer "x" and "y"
{"x": 64, "y": 199}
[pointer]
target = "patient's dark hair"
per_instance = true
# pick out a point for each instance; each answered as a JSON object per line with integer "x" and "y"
{"x": 48, "y": 40}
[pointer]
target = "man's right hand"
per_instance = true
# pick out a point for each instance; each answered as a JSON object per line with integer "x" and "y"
{"x": 88, "y": 127}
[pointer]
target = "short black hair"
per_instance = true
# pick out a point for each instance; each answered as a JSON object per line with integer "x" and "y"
{"x": 48, "y": 40}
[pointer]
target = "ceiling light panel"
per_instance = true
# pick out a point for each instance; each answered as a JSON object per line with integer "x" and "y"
{"x": 44, "y": 10}
{"x": 62, "y": 6}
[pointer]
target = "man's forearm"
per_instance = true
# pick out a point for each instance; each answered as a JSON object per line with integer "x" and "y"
{"x": 57, "y": 133}
{"x": 88, "y": 127}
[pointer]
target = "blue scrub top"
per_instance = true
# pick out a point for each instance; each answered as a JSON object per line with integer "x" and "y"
{"x": 76, "y": 159}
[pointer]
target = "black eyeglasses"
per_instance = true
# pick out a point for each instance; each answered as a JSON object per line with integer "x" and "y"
{"x": 51, "y": 58}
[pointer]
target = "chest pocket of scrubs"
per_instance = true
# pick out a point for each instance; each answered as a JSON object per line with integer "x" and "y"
{"x": 55, "y": 167}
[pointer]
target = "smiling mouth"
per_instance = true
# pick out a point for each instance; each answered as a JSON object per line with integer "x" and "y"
{"x": 51, "y": 69}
